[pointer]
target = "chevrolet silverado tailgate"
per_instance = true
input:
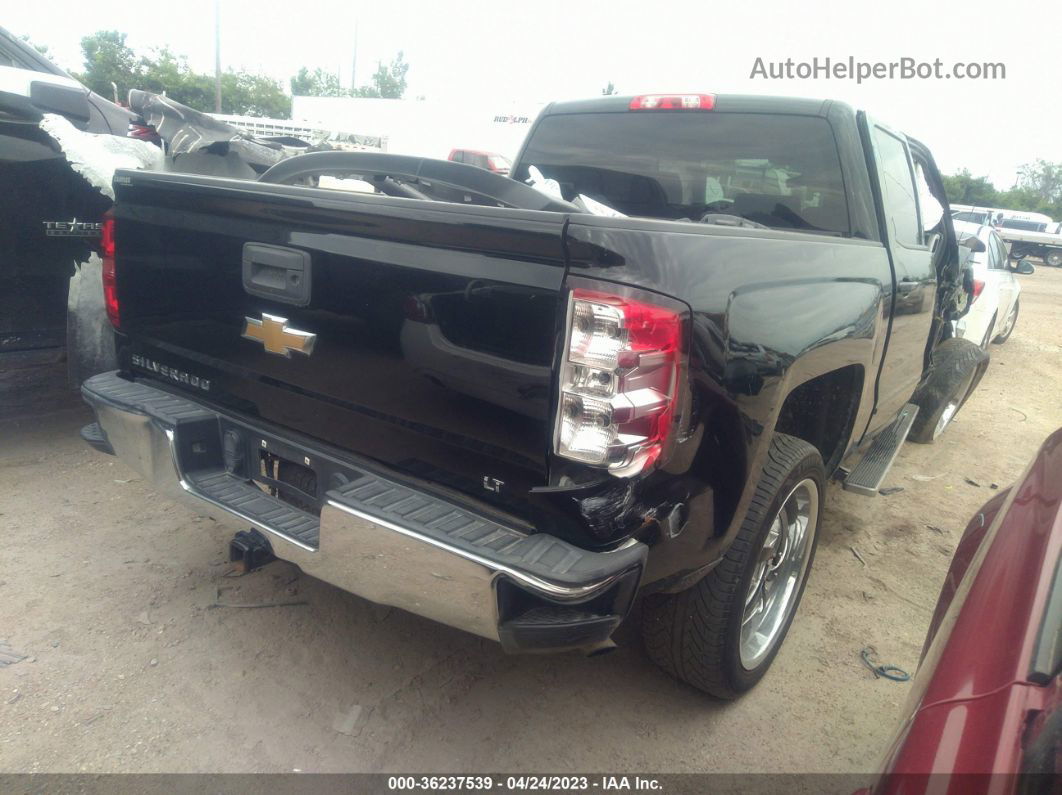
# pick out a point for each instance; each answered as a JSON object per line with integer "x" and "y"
{"x": 419, "y": 334}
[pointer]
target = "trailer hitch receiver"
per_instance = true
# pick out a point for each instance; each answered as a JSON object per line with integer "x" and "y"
{"x": 250, "y": 550}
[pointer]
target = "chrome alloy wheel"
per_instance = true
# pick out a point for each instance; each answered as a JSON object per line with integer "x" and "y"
{"x": 945, "y": 417}
{"x": 780, "y": 569}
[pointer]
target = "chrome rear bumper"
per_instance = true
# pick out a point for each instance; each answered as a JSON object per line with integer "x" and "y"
{"x": 379, "y": 538}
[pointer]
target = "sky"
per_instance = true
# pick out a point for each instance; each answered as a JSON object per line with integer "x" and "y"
{"x": 521, "y": 54}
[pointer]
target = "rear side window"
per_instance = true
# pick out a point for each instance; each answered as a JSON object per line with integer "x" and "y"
{"x": 1000, "y": 249}
{"x": 992, "y": 253}
{"x": 898, "y": 188}
{"x": 782, "y": 171}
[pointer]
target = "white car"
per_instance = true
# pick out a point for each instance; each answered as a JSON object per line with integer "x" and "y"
{"x": 998, "y": 217}
{"x": 994, "y": 310}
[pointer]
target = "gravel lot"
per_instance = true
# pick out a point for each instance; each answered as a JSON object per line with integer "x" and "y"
{"x": 110, "y": 593}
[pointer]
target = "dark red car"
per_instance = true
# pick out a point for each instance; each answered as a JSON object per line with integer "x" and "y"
{"x": 986, "y": 699}
{"x": 491, "y": 161}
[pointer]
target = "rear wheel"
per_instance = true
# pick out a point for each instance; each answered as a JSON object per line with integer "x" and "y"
{"x": 957, "y": 368}
{"x": 722, "y": 634}
{"x": 1054, "y": 258}
{"x": 1008, "y": 325}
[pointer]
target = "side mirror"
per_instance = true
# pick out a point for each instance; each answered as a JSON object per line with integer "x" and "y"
{"x": 1024, "y": 267}
{"x": 975, "y": 244}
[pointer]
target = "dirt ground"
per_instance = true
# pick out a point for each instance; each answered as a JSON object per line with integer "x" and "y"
{"x": 111, "y": 594}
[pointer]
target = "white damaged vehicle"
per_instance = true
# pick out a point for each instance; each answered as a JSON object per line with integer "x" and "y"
{"x": 995, "y": 304}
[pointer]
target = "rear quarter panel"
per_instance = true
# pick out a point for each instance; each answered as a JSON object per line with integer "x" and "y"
{"x": 770, "y": 310}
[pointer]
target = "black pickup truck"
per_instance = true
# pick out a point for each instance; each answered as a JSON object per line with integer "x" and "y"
{"x": 518, "y": 409}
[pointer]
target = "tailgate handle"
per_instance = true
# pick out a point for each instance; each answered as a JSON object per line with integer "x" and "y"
{"x": 278, "y": 273}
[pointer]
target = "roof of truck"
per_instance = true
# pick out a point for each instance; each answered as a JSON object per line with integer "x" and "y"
{"x": 734, "y": 103}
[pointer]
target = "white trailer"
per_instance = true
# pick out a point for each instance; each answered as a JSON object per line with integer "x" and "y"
{"x": 424, "y": 128}
{"x": 1046, "y": 245}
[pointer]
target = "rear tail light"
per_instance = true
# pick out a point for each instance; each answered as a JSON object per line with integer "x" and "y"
{"x": 110, "y": 282}
{"x": 618, "y": 382}
{"x": 673, "y": 102}
{"x": 978, "y": 288}
{"x": 144, "y": 132}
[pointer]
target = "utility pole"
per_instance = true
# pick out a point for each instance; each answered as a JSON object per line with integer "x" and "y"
{"x": 354, "y": 60}
{"x": 217, "y": 56}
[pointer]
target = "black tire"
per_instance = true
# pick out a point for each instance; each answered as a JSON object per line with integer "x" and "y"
{"x": 957, "y": 368}
{"x": 1053, "y": 258}
{"x": 999, "y": 339}
{"x": 695, "y": 635}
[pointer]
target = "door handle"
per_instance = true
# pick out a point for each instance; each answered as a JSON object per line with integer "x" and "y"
{"x": 278, "y": 273}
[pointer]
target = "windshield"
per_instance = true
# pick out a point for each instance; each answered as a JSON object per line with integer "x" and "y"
{"x": 780, "y": 171}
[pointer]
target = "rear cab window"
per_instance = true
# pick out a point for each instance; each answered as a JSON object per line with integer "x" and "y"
{"x": 780, "y": 170}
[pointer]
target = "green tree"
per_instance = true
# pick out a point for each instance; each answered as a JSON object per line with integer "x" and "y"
{"x": 163, "y": 72}
{"x": 1038, "y": 189}
{"x": 1042, "y": 179}
{"x": 1018, "y": 199}
{"x": 41, "y": 48}
{"x": 108, "y": 59}
{"x": 964, "y": 188}
{"x": 609, "y": 89}
{"x": 317, "y": 83}
{"x": 249, "y": 94}
{"x": 388, "y": 82}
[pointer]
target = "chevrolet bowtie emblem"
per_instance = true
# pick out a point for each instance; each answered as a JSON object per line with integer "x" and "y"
{"x": 274, "y": 334}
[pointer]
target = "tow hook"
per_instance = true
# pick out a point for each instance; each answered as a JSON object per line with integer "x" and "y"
{"x": 249, "y": 550}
